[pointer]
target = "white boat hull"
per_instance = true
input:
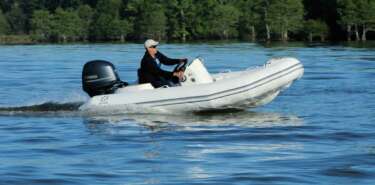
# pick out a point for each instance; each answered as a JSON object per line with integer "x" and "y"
{"x": 235, "y": 90}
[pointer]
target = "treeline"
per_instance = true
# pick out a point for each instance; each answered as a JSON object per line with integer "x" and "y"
{"x": 186, "y": 20}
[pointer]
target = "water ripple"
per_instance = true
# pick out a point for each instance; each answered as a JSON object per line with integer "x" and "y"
{"x": 319, "y": 131}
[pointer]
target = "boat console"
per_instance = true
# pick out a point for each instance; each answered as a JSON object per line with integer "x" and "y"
{"x": 196, "y": 73}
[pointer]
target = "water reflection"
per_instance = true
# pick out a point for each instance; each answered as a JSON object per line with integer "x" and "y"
{"x": 198, "y": 146}
{"x": 157, "y": 122}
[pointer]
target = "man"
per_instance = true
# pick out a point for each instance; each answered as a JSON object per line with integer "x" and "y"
{"x": 150, "y": 71}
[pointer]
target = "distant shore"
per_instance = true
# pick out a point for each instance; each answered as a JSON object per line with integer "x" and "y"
{"x": 16, "y": 39}
{"x": 29, "y": 40}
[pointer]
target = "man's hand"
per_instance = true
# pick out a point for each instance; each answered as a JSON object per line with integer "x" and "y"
{"x": 179, "y": 74}
{"x": 184, "y": 60}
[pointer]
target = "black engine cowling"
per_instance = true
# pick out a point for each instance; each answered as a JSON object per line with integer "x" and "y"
{"x": 100, "y": 77}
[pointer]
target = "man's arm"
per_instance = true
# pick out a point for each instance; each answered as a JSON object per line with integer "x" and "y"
{"x": 153, "y": 68}
{"x": 167, "y": 61}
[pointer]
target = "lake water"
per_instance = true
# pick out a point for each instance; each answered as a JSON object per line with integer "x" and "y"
{"x": 319, "y": 131}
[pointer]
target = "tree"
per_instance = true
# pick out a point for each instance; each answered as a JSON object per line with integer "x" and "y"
{"x": 251, "y": 16}
{"x": 204, "y": 16}
{"x": 5, "y": 5}
{"x": 180, "y": 14}
{"x": 316, "y": 28}
{"x": 359, "y": 13}
{"x": 53, "y": 5}
{"x": 85, "y": 13}
{"x": 41, "y": 24}
{"x": 29, "y": 6}
{"x": 70, "y": 4}
{"x": 17, "y": 19}
{"x": 69, "y": 20}
{"x": 150, "y": 20}
{"x": 153, "y": 23}
{"x": 66, "y": 25}
{"x": 91, "y": 3}
{"x": 107, "y": 24}
{"x": 265, "y": 4}
{"x": 224, "y": 25}
{"x": 347, "y": 10}
{"x": 109, "y": 7}
{"x": 366, "y": 10}
{"x": 285, "y": 16}
{"x": 119, "y": 29}
{"x": 4, "y": 26}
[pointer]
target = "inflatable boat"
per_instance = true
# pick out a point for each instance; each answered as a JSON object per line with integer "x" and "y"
{"x": 199, "y": 91}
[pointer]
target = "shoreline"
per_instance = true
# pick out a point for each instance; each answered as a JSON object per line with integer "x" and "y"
{"x": 19, "y": 40}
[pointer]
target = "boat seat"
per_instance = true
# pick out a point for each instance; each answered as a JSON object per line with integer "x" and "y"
{"x": 134, "y": 88}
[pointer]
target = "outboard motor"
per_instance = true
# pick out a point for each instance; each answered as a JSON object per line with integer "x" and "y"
{"x": 100, "y": 77}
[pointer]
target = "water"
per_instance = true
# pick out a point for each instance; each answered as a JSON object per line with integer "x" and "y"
{"x": 319, "y": 131}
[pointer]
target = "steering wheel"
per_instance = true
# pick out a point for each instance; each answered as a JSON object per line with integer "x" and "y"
{"x": 180, "y": 66}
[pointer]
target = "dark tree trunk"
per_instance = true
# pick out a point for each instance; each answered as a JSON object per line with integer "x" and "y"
{"x": 322, "y": 38}
{"x": 348, "y": 32}
{"x": 310, "y": 37}
{"x": 364, "y": 33}
{"x": 253, "y": 33}
{"x": 284, "y": 36}
{"x": 183, "y": 36}
{"x": 357, "y": 38}
{"x": 268, "y": 30}
{"x": 64, "y": 39}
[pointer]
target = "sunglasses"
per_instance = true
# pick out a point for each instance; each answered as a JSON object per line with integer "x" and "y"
{"x": 153, "y": 47}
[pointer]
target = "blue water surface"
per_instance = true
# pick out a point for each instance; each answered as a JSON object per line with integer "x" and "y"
{"x": 319, "y": 131}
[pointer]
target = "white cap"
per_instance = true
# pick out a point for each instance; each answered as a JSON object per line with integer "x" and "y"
{"x": 150, "y": 43}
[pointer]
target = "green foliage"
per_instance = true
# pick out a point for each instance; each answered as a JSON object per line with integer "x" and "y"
{"x": 66, "y": 25}
{"x": 347, "y": 10}
{"x": 184, "y": 20}
{"x": 4, "y": 26}
{"x": 107, "y": 24}
{"x": 149, "y": 19}
{"x": 204, "y": 18}
{"x": 85, "y": 13}
{"x": 366, "y": 11}
{"x": 41, "y": 24}
{"x": 180, "y": 14}
{"x": 359, "y": 13}
{"x": 17, "y": 19}
{"x": 52, "y": 5}
{"x": 109, "y": 7}
{"x": 224, "y": 25}
{"x": 315, "y": 28}
{"x": 5, "y": 5}
{"x": 285, "y": 16}
{"x": 101, "y": 27}
{"x": 107, "y": 28}
{"x": 250, "y": 18}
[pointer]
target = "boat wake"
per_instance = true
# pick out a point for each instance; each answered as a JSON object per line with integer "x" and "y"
{"x": 206, "y": 121}
{"x": 46, "y": 109}
{"x": 234, "y": 117}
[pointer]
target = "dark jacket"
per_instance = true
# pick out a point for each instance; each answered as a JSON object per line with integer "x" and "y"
{"x": 150, "y": 71}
